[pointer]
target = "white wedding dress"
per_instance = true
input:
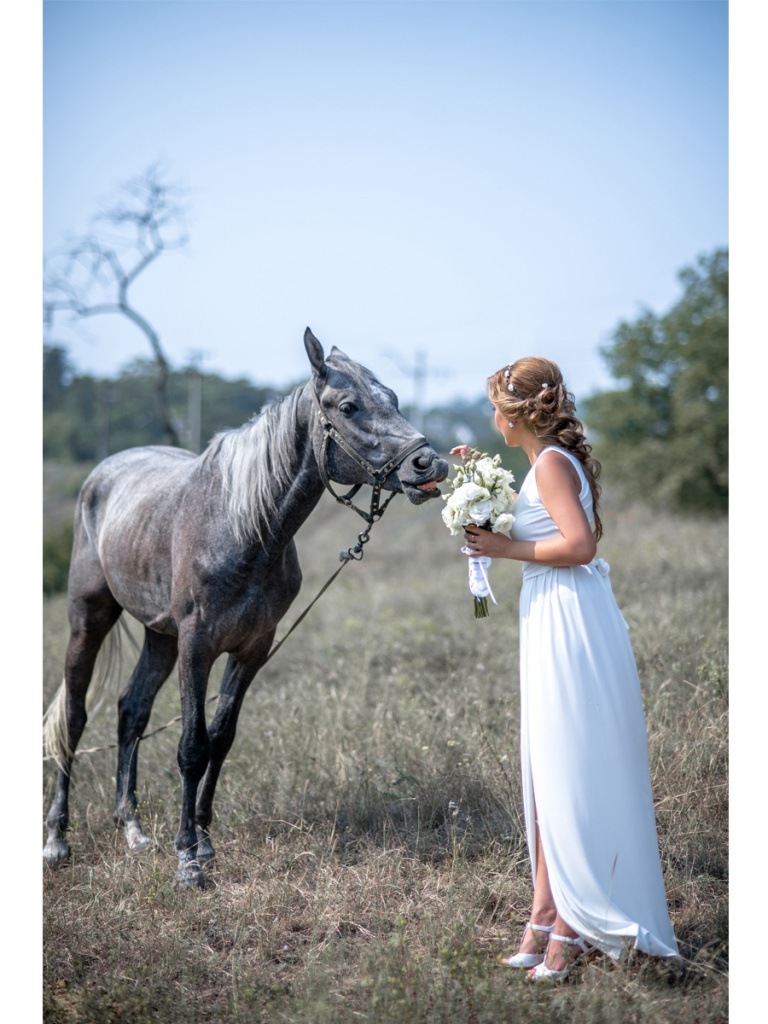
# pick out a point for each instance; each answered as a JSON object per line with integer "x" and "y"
{"x": 584, "y": 747}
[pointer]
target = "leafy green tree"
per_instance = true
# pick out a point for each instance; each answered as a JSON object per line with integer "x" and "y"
{"x": 57, "y": 374}
{"x": 664, "y": 434}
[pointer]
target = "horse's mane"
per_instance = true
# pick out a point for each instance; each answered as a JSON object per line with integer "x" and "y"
{"x": 258, "y": 461}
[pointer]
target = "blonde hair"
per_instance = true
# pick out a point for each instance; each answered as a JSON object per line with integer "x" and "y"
{"x": 532, "y": 390}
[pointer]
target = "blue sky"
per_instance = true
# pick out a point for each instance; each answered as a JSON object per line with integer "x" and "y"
{"x": 469, "y": 181}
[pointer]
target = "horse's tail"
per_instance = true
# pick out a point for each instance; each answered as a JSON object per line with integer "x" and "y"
{"x": 56, "y": 741}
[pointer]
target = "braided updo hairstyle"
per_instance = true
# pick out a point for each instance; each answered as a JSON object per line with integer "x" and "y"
{"x": 532, "y": 390}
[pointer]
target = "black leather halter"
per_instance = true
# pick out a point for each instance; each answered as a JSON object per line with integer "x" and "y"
{"x": 379, "y": 475}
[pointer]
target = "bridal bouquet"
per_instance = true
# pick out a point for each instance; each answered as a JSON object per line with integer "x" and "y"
{"x": 481, "y": 495}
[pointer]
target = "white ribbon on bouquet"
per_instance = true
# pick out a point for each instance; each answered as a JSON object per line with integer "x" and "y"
{"x": 479, "y": 585}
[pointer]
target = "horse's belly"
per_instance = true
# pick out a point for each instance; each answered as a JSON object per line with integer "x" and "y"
{"x": 146, "y": 600}
{"x": 163, "y": 622}
{"x": 137, "y": 564}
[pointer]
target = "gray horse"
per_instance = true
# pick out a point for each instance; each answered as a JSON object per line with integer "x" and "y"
{"x": 200, "y": 550}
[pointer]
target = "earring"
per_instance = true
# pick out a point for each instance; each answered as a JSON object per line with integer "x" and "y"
{"x": 511, "y": 423}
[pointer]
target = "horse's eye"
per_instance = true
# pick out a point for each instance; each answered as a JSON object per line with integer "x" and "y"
{"x": 347, "y": 408}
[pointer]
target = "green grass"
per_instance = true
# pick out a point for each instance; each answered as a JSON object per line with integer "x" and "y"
{"x": 372, "y": 863}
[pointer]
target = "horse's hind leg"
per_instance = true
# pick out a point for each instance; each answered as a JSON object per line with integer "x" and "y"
{"x": 90, "y": 621}
{"x": 158, "y": 656}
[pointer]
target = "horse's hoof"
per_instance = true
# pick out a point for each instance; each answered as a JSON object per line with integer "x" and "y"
{"x": 205, "y": 851}
{"x": 138, "y": 841}
{"x": 189, "y": 876}
{"x": 55, "y": 852}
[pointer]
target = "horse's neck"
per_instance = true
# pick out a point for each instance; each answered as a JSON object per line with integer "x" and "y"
{"x": 300, "y": 498}
{"x": 268, "y": 480}
{"x": 297, "y": 498}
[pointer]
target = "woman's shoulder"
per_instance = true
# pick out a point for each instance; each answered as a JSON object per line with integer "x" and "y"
{"x": 548, "y": 465}
{"x": 547, "y": 457}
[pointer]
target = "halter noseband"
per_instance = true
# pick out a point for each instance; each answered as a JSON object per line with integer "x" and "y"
{"x": 330, "y": 433}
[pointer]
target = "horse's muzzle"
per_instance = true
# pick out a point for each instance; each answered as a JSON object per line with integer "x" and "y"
{"x": 420, "y": 474}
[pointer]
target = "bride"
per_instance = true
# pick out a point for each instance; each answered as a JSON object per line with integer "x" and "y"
{"x": 587, "y": 795}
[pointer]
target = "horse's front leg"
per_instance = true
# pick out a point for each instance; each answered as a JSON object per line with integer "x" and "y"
{"x": 195, "y": 660}
{"x": 238, "y": 676}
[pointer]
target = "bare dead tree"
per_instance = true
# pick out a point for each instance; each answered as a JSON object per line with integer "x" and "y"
{"x": 91, "y": 275}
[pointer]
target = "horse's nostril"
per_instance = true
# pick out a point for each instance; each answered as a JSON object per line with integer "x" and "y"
{"x": 422, "y": 462}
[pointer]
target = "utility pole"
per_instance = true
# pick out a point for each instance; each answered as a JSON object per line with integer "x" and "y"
{"x": 195, "y": 397}
{"x": 418, "y": 372}
{"x": 107, "y": 399}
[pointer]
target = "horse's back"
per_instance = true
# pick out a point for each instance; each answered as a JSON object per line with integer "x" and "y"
{"x": 136, "y": 476}
{"x": 135, "y": 460}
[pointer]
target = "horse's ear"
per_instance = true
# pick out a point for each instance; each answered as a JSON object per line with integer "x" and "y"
{"x": 315, "y": 353}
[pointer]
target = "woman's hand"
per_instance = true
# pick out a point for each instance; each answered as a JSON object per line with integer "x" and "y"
{"x": 462, "y": 450}
{"x": 483, "y": 542}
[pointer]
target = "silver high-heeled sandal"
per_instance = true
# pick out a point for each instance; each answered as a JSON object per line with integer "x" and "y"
{"x": 542, "y": 972}
{"x": 530, "y": 959}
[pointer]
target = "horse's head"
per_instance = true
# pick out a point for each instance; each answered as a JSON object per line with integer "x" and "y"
{"x": 366, "y": 430}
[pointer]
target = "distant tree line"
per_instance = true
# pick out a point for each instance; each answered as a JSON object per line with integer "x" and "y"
{"x": 86, "y": 418}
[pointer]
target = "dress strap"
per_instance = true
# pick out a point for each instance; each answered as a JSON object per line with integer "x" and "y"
{"x": 563, "y": 451}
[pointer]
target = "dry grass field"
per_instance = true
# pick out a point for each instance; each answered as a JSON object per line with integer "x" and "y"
{"x": 371, "y": 857}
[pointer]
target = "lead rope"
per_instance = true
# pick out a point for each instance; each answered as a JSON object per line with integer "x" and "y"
{"x": 352, "y": 554}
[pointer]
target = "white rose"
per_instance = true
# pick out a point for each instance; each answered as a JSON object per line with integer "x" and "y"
{"x": 486, "y": 473}
{"x": 469, "y": 493}
{"x": 500, "y": 504}
{"x": 481, "y": 511}
{"x": 504, "y": 523}
{"x": 452, "y": 517}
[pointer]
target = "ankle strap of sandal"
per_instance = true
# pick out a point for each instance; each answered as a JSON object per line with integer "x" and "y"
{"x": 548, "y": 928}
{"x": 578, "y": 941}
